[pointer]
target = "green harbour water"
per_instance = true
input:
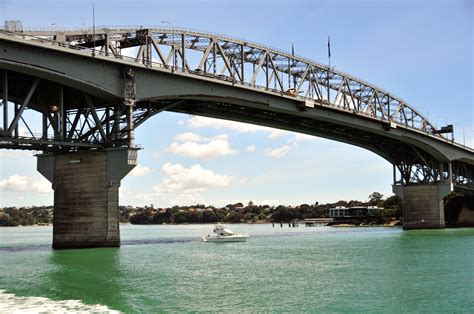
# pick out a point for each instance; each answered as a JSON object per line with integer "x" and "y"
{"x": 168, "y": 269}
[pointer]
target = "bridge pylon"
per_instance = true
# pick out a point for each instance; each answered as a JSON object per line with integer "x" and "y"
{"x": 86, "y": 195}
{"x": 423, "y": 205}
{"x": 422, "y": 188}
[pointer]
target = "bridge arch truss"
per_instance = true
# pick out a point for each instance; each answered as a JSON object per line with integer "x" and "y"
{"x": 245, "y": 63}
{"x": 90, "y": 122}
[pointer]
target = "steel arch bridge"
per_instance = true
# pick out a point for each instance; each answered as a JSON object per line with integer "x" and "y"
{"x": 87, "y": 90}
{"x": 210, "y": 75}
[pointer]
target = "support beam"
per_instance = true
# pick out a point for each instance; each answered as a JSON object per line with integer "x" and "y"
{"x": 150, "y": 114}
{"x": 86, "y": 196}
{"x": 158, "y": 51}
{"x": 96, "y": 118}
{"x": 5, "y": 100}
{"x": 423, "y": 206}
{"x": 242, "y": 64}
{"x": 116, "y": 124}
{"x": 183, "y": 52}
{"x": 18, "y": 114}
{"x": 129, "y": 96}
{"x": 263, "y": 57}
{"x": 45, "y": 125}
{"x": 62, "y": 114}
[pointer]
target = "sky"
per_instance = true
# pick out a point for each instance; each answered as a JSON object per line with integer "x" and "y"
{"x": 421, "y": 51}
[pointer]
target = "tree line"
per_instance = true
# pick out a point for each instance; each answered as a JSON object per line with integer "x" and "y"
{"x": 199, "y": 213}
{"x": 390, "y": 208}
{"x": 250, "y": 213}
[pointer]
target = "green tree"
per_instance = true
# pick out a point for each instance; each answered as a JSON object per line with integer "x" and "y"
{"x": 392, "y": 202}
{"x": 375, "y": 198}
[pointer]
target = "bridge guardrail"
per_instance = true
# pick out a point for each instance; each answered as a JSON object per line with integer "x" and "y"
{"x": 153, "y": 65}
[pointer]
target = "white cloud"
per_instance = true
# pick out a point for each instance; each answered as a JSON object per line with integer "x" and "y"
{"x": 190, "y": 180}
{"x": 193, "y": 137}
{"x": 199, "y": 122}
{"x": 299, "y": 137}
{"x": 180, "y": 122}
{"x": 243, "y": 180}
{"x": 140, "y": 171}
{"x": 189, "y": 136}
{"x": 250, "y": 148}
{"x": 201, "y": 151}
{"x": 279, "y": 152}
{"x": 277, "y": 134}
{"x": 181, "y": 186}
{"x": 160, "y": 199}
{"x": 17, "y": 183}
{"x": 217, "y": 146}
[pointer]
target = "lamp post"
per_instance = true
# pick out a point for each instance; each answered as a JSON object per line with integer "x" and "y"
{"x": 463, "y": 137}
{"x": 172, "y": 47}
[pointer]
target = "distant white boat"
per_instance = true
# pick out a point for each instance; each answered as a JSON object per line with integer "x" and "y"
{"x": 222, "y": 234}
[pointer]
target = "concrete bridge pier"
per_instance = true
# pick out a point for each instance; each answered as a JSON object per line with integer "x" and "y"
{"x": 423, "y": 206}
{"x": 86, "y": 195}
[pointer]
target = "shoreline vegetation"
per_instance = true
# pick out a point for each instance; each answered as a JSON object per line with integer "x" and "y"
{"x": 389, "y": 213}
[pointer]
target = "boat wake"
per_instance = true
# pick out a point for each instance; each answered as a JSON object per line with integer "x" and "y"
{"x": 21, "y": 248}
{"x": 10, "y": 303}
{"x": 159, "y": 241}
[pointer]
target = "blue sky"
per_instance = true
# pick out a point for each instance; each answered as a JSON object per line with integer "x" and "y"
{"x": 421, "y": 51}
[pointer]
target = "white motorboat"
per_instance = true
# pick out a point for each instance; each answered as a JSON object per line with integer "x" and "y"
{"x": 222, "y": 234}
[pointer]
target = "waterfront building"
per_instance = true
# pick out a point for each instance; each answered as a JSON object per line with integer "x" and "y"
{"x": 342, "y": 212}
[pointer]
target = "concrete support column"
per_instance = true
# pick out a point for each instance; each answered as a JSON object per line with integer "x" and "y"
{"x": 86, "y": 196}
{"x": 423, "y": 206}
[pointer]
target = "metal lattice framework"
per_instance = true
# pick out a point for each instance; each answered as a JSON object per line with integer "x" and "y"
{"x": 78, "y": 121}
{"x": 82, "y": 121}
{"x": 243, "y": 63}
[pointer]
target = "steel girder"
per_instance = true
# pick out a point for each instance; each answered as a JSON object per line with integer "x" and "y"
{"x": 68, "y": 119}
{"x": 73, "y": 120}
{"x": 242, "y": 63}
{"x": 235, "y": 61}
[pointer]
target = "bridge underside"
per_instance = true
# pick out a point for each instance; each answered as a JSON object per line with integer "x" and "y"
{"x": 413, "y": 165}
{"x": 73, "y": 120}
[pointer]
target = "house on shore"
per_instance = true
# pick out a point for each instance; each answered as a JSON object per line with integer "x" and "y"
{"x": 355, "y": 212}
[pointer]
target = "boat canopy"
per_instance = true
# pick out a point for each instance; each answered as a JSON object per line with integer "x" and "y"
{"x": 222, "y": 230}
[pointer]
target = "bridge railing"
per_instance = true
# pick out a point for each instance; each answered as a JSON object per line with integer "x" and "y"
{"x": 421, "y": 125}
